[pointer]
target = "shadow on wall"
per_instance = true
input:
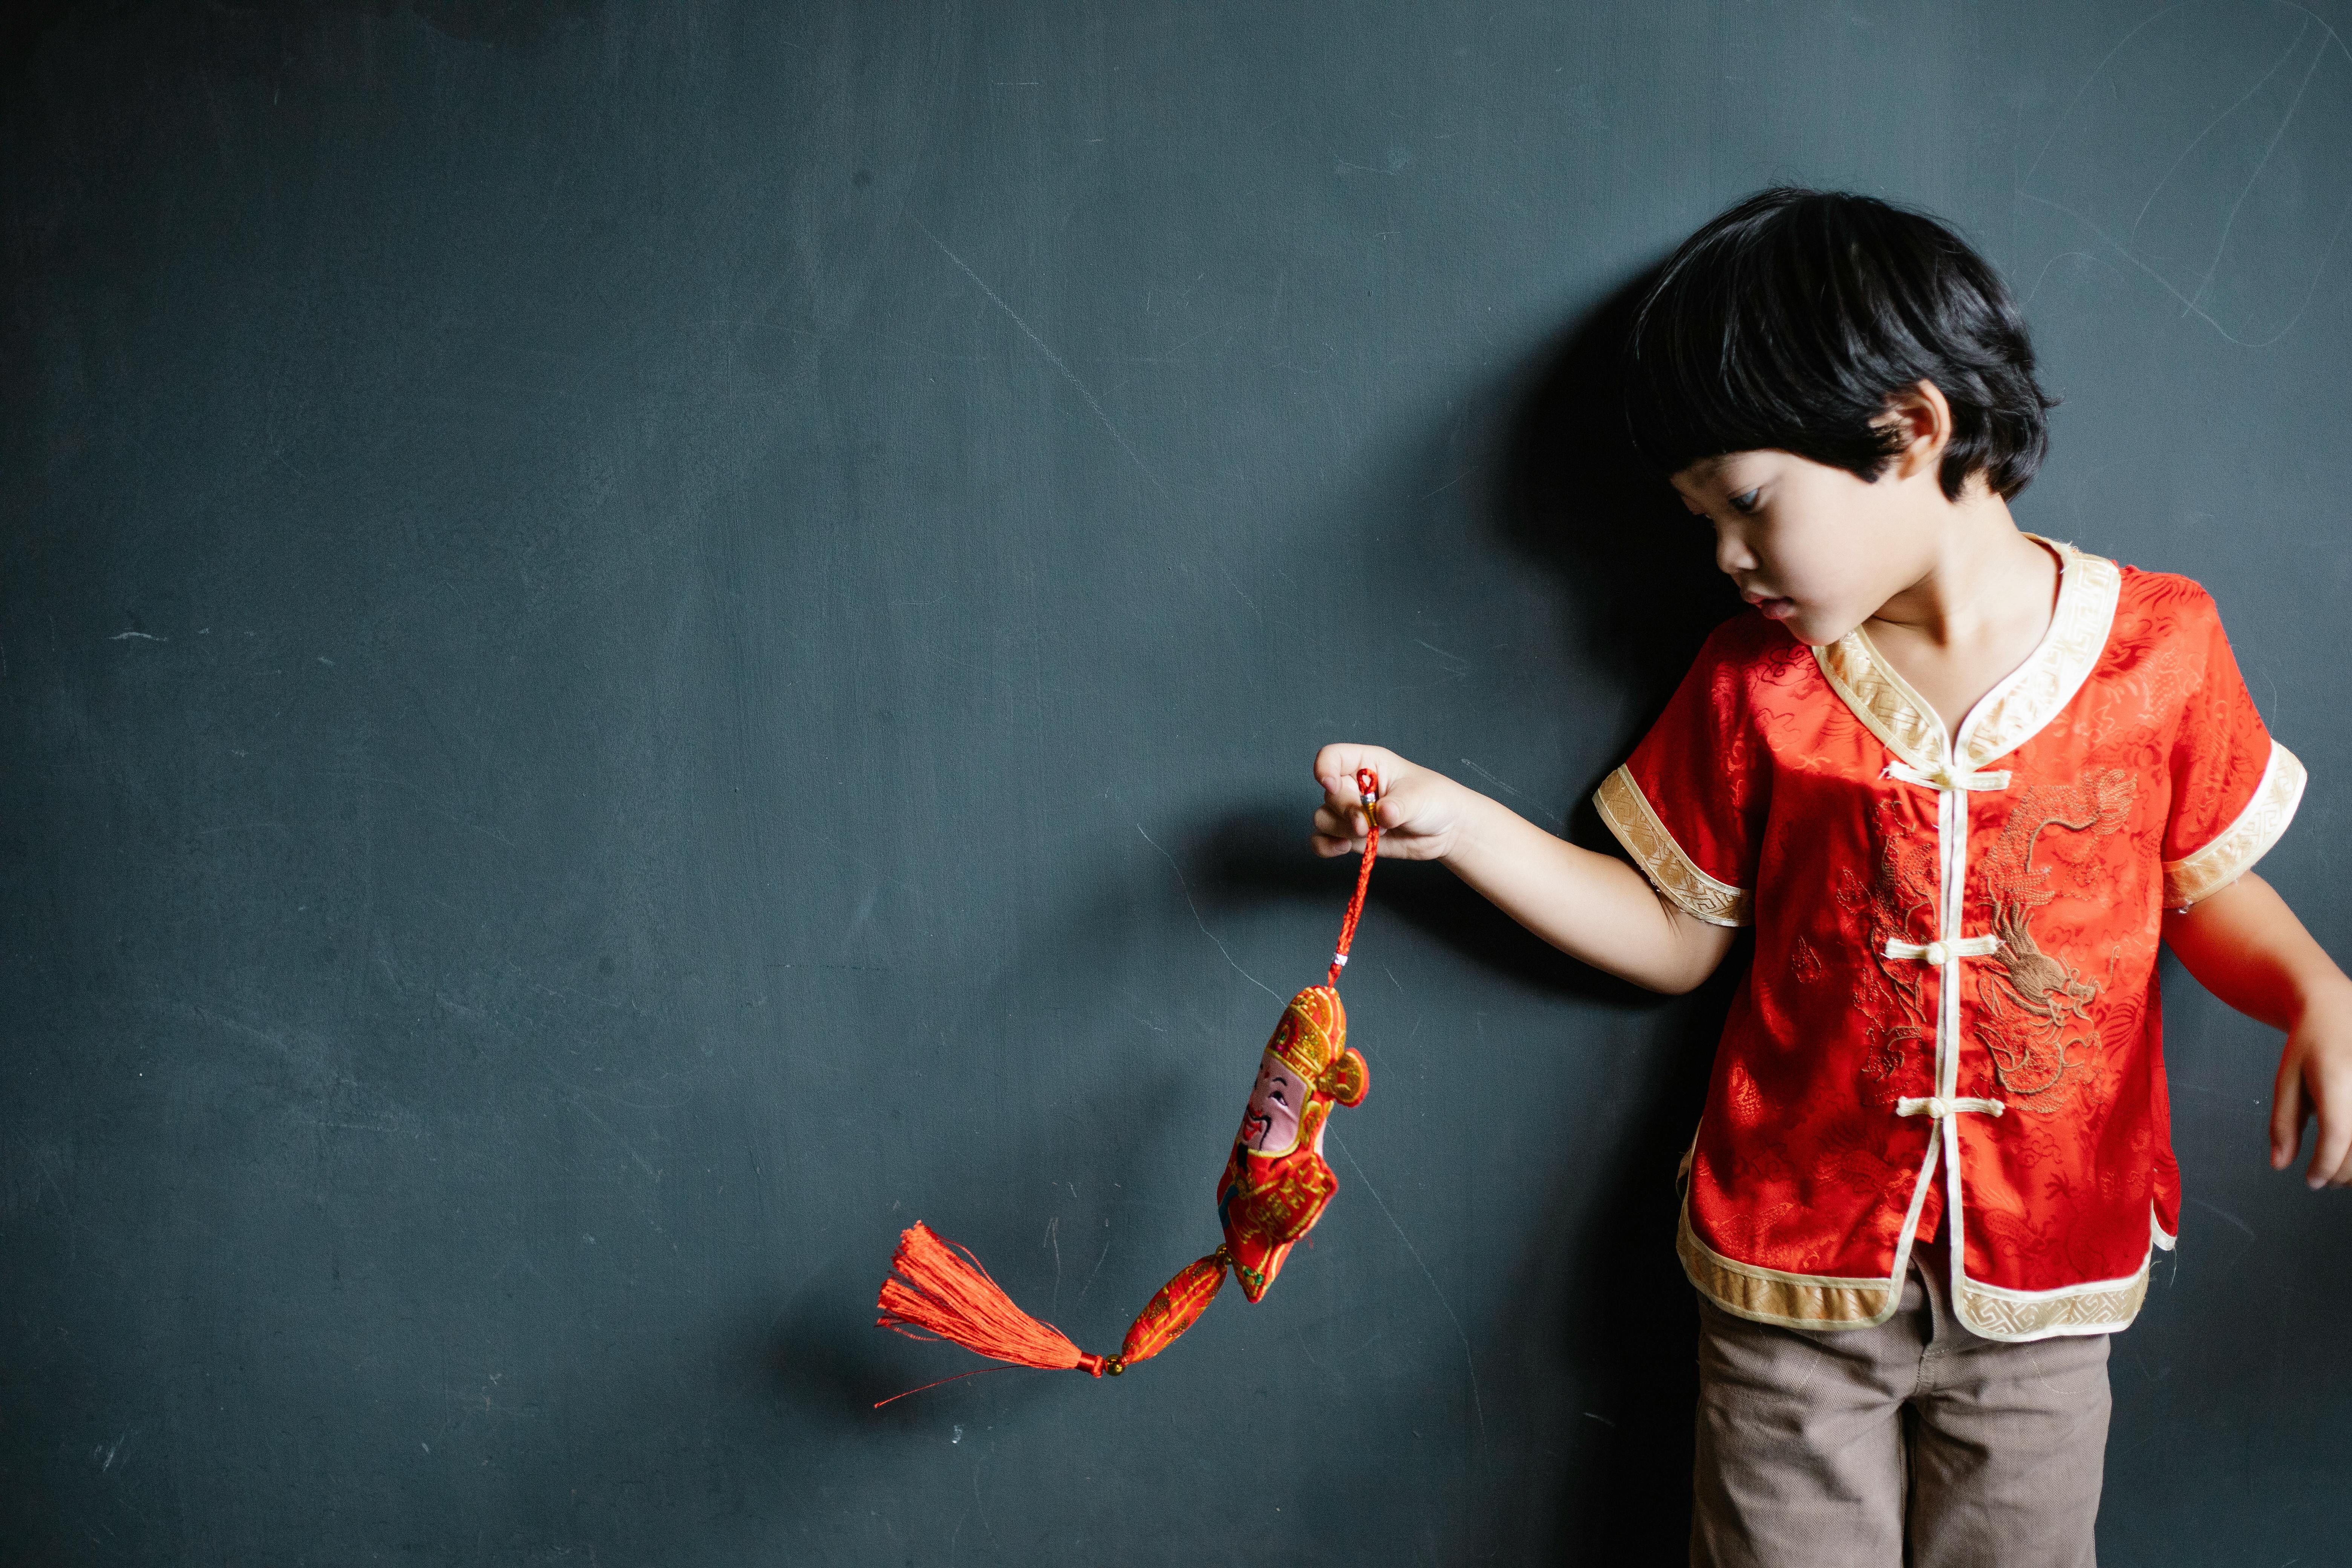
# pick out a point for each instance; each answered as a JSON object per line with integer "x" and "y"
{"x": 1644, "y": 593}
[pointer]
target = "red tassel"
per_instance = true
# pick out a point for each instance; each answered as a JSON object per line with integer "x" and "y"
{"x": 931, "y": 1288}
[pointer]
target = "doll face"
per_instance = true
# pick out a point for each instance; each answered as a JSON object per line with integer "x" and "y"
{"x": 1270, "y": 1125}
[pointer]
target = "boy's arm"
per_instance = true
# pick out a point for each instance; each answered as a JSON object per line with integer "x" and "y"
{"x": 1592, "y": 907}
{"x": 2244, "y": 945}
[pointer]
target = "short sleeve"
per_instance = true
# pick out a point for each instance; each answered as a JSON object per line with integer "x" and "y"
{"x": 2234, "y": 789}
{"x": 1689, "y": 805}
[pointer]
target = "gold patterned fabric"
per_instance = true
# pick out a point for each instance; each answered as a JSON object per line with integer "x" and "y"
{"x": 1674, "y": 874}
{"x": 2245, "y": 840}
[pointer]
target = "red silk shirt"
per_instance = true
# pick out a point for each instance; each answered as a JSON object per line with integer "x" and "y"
{"x": 1952, "y": 1013}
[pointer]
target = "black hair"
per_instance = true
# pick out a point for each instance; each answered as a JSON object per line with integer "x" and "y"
{"x": 1790, "y": 320}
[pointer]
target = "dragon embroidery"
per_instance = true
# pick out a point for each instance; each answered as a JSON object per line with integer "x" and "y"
{"x": 1901, "y": 885}
{"x": 2037, "y": 1023}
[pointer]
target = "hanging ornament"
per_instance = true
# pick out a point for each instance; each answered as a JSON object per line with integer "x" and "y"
{"x": 1275, "y": 1187}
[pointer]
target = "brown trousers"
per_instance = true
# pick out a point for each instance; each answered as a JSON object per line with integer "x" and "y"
{"x": 1913, "y": 1444}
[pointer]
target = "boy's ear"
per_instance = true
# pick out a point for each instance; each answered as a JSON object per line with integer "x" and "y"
{"x": 1924, "y": 419}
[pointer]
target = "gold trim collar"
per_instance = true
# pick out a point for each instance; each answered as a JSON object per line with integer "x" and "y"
{"x": 2014, "y": 711}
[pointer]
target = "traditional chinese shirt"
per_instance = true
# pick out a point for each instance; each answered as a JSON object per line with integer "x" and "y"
{"x": 1952, "y": 1013}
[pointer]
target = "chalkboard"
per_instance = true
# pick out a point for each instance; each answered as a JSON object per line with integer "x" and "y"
{"x": 641, "y": 643}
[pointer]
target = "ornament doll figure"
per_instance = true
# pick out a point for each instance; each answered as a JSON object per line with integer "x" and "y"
{"x": 1964, "y": 782}
{"x": 1276, "y": 1181}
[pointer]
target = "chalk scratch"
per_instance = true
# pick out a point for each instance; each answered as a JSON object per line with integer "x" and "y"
{"x": 2191, "y": 304}
{"x": 1197, "y": 921}
{"x": 627, "y": 1148}
{"x": 1547, "y": 812}
{"x": 2225, "y": 1214}
{"x": 1051, "y": 357}
{"x": 1453, "y": 481}
{"x": 1453, "y": 664}
{"x": 2285, "y": 120}
{"x": 2276, "y": 64}
{"x": 73, "y": 1249}
{"x": 1476, "y": 1404}
{"x": 1090, "y": 1277}
{"x": 980, "y": 1504}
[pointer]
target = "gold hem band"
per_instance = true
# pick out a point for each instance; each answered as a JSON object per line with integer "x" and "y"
{"x": 2245, "y": 840}
{"x": 1770, "y": 1296}
{"x": 1654, "y": 849}
{"x": 1828, "y": 1303}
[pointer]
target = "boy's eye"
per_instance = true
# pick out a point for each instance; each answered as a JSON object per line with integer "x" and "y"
{"x": 1745, "y": 501}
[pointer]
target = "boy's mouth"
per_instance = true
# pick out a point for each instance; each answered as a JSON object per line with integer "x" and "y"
{"x": 1772, "y": 608}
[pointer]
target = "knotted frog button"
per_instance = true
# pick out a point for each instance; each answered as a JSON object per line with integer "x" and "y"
{"x": 1937, "y": 1107}
{"x": 1936, "y": 955}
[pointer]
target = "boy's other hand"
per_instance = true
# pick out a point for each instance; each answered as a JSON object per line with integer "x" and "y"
{"x": 1422, "y": 813}
{"x": 2244, "y": 945}
{"x": 2315, "y": 1079}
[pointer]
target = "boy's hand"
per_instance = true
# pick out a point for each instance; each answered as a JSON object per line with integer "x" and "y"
{"x": 1592, "y": 907}
{"x": 2244, "y": 945}
{"x": 1422, "y": 813}
{"x": 2315, "y": 1078}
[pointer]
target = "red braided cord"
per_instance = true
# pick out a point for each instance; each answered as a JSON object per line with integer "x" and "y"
{"x": 1368, "y": 783}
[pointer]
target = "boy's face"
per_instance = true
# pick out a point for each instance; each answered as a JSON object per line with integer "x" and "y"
{"x": 1816, "y": 548}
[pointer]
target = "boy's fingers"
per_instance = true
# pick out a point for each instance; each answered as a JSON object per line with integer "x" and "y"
{"x": 1335, "y": 764}
{"x": 1340, "y": 819}
{"x": 2286, "y": 1114}
{"x": 1347, "y": 814}
{"x": 2333, "y": 1147}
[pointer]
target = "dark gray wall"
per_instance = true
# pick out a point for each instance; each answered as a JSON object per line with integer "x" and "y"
{"x": 639, "y": 642}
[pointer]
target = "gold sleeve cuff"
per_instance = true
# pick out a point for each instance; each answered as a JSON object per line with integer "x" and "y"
{"x": 1645, "y": 839}
{"x": 2245, "y": 840}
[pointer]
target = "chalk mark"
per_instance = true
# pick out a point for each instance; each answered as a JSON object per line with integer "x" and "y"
{"x": 1453, "y": 481}
{"x": 1197, "y": 921}
{"x": 2275, "y": 64}
{"x": 1051, "y": 357}
{"x": 2222, "y": 249}
{"x": 1499, "y": 784}
{"x": 1476, "y": 1404}
{"x": 2189, "y": 304}
{"x": 2230, "y": 1262}
{"x": 2225, "y": 1214}
{"x": 1090, "y": 1277}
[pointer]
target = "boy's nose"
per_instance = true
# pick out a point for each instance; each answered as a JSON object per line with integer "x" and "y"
{"x": 1731, "y": 556}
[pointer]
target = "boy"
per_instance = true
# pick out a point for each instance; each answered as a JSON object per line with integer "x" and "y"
{"x": 1962, "y": 779}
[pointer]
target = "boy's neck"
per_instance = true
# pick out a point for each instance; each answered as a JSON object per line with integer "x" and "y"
{"x": 1982, "y": 580}
{"x": 1983, "y": 598}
